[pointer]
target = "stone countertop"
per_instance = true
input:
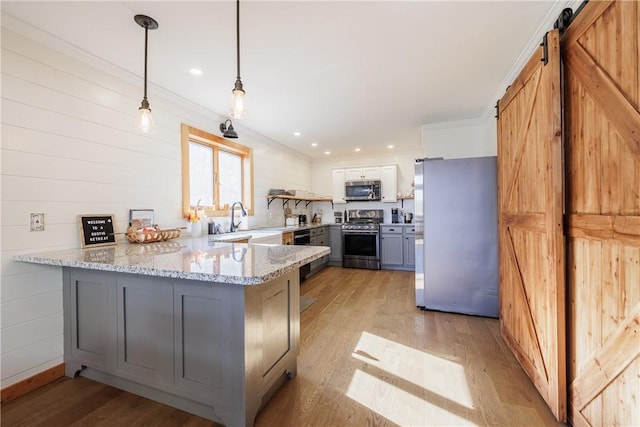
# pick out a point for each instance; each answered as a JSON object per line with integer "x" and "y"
{"x": 187, "y": 258}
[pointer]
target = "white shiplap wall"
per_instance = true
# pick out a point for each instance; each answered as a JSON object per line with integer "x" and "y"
{"x": 69, "y": 147}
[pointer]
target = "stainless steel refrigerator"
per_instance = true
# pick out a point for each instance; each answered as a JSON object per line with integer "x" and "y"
{"x": 457, "y": 235}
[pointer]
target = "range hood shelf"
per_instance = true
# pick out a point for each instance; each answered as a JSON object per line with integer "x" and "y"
{"x": 298, "y": 200}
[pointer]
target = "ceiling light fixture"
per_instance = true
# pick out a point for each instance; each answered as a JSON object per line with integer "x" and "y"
{"x": 238, "y": 108}
{"x": 390, "y": 146}
{"x": 327, "y": 152}
{"x": 314, "y": 144}
{"x": 357, "y": 149}
{"x": 296, "y": 134}
{"x": 196, "y": 71}
{"x": 144, "y": 121}
{"x": 228, "y": 131}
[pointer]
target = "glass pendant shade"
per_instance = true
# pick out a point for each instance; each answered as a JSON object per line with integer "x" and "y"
{"x": 144, "y": 120}
{"x": 238, "y": 108}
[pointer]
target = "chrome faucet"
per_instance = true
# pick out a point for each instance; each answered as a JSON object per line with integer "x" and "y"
{"x": 234, "y": 226}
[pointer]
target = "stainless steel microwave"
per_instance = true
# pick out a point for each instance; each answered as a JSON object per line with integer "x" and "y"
{"x": 362, "y": 190}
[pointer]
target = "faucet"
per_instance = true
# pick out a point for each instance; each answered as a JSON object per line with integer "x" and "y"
{"x": 234, "y": 226}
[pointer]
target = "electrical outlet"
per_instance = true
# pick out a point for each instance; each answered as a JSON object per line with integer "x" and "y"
{"x": 36, "y": 222}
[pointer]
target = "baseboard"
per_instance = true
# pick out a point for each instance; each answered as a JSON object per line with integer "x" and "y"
{"x": 25, "y": 386}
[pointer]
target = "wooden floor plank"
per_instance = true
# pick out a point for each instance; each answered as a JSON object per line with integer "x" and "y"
{"x": 368, "y": 357}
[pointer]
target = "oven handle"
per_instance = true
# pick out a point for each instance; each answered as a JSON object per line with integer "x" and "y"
{"x": 372, "y": 233}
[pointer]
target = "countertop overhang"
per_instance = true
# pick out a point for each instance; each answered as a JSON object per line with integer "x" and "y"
{"x": 187, "y": 258}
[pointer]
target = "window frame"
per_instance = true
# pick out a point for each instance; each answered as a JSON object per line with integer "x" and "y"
{"x": 217, "y": 144}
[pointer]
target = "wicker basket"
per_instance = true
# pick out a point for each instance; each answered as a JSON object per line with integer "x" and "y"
{"x": 151, "y": 236}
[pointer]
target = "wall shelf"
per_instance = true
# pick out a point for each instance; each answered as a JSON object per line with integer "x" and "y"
{"x": 286, "y": 199}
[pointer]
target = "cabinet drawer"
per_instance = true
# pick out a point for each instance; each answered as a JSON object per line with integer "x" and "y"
{"x": 391, "y": 229}
{"x": 314, "y": 232}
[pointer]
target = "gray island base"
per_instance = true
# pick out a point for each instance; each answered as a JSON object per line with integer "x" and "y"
{"x": 215, "y": 337}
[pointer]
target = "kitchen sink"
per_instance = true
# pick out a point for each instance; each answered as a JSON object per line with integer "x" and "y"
{"x": 265, "y": 237}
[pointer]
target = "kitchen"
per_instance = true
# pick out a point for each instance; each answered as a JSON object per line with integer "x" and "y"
{"x": 68, "y": 148}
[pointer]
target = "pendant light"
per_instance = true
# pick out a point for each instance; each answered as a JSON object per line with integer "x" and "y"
{"x": 144, "y": 121}
{"x": 238, "y": 107}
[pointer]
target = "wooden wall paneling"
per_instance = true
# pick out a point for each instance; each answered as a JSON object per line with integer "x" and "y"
{"x": 601, "y": 54}
{"x": 530, "y": 176}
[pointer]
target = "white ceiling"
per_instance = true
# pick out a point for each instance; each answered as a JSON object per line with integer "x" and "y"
{"x": 344, "y": 74}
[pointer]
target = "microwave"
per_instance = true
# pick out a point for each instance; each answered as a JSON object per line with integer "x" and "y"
{"x": 362, "y": 190}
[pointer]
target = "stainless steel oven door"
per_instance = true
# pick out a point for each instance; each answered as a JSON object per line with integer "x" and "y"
{"x": 361, "y": 249}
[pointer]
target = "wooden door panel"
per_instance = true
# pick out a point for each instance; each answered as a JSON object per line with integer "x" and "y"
{"x": 601, "y": 52}
{"x": 530, "y": 177}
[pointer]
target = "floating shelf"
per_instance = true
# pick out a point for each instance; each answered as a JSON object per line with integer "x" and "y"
{"x": 298, "y": 200}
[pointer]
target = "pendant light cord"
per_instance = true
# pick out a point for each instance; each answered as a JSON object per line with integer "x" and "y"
{"x": 146, "y": 39}
{"x": 238, "y": 37}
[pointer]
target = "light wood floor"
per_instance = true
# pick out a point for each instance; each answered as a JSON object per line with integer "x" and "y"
{"x": 368, "y": 358}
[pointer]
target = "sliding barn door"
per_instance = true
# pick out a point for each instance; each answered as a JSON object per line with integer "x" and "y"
{"x": 601, "y": 55}
{"x": 530, "y": 180}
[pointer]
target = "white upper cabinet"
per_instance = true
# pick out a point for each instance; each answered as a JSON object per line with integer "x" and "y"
{"x": 389, "y": 184}
{"x": 337, "y": 192}
{"x": 356, "y": 174}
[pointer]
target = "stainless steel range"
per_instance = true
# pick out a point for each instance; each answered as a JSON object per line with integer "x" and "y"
{"x": 361, "y": 239}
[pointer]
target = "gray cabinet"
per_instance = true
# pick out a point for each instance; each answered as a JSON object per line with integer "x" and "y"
{"x": 90, "y": 301}
{"x": 319, "y": 237}
{"x": 199, "y": 356}
{"x": 335, "y": 242}
{"x": 397, "y": 248}
{"x": 409, "y": 246}
{"x": 179, "y": 341}
{"x": 145, "y": 323}
{"x": 391, "y": 246}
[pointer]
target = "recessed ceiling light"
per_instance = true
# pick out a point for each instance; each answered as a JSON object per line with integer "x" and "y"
{"x": 327, "y": 152}
{"x": 314, "y": 144}
{"x": 196, "y": 71}
{"x": 390, "y": 146}
{"x": 357, "y": 149}
{"x": 296, "y": 134}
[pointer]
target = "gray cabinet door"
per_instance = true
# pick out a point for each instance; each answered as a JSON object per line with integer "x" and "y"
{"x": 204, "y": 342}
{"x": 335, "y": 242}
{"x": 409, "y": 250}
{"x": 145, "y": 329}
{"x": 319, "y": 237}
{"x": 90, "y": 323}
{"x": 314, "y": 241}
{"x": 323, "y": 240}
{"x": 391, "y": 249}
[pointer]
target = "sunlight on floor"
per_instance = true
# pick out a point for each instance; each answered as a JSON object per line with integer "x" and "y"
{"x": 408, "y": 386}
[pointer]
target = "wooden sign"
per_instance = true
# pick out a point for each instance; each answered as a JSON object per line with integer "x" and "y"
{"x": 96, "y": 230}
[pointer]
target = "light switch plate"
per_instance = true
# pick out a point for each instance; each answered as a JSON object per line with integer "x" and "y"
{"x": 36, "y": 222}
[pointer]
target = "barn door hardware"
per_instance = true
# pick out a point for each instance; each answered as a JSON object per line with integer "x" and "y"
{"x": 545, "y": 51}
{"x": 497, "y": 107}
{"x": 564, "y": 19}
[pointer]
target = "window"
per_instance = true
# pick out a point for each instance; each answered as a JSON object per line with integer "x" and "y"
{"x": 215, "y": 173}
